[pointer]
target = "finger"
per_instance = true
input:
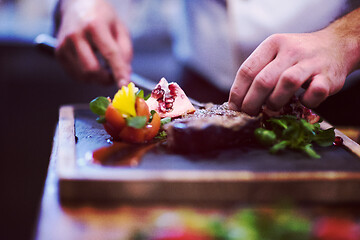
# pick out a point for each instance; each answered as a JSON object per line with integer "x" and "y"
{"x": 289, "y": 82}
{"x": 262, "y": 55}
{"x": 263, "y": 85}
{"x": 122, "y": 36}
{"x": 66, "y": 54}
{"x": 89, "y": 66}
{"x": 317, "y": 91}
{"x": 76, "y": 56}
{"x": 123, "y": 39}
{"x": 110, "y": 50}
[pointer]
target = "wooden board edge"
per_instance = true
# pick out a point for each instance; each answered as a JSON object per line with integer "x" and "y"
{"x": 66, "y": 156}
{"x": 350, "y": 144}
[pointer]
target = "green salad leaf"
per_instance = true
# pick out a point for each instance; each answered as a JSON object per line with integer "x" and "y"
{"x": 136, "y": 122}
{"x": 165, "y": 120}
{"x": 140, "y": 94}
{"x": 287, "y": 131}
{"x": 99, "y": 105}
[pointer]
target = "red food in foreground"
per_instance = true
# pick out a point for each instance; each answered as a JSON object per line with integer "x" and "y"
{"x": 331, "y": 228}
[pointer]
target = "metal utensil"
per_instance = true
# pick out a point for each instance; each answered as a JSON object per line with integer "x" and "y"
{"x": 47, "y": 44}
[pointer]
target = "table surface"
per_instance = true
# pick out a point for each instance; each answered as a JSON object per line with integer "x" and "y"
{"x": 87, "y": 221}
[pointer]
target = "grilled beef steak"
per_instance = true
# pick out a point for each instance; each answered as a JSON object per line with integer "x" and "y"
{"x": 214, "y": 127}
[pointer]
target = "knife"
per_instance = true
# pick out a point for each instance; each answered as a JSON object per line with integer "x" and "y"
{"x": 47, "y": 44}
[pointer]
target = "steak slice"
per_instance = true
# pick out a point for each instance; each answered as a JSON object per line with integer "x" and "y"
{"x": 214, "y": 127}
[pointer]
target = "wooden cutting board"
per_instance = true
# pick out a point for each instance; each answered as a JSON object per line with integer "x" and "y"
{"x": 247, "y": 175}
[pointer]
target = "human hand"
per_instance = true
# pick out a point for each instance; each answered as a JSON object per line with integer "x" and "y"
{"x": 284, "y": 63}
{"x": 88, "y": 26}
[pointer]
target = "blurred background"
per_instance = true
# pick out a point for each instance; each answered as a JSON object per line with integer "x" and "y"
{"x": 33, "y": 87}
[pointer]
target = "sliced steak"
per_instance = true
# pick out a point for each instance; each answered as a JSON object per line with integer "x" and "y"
{"x": 214, "y": 127}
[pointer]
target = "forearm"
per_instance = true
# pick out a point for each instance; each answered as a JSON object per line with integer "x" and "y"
{"x": 345, "y": 32}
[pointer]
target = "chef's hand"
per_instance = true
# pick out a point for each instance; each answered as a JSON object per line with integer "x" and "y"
{"x": 283, "y": 63}
{"x": 90, "y": 27}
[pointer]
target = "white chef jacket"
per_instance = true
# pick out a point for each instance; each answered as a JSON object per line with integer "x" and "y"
{"x": 214, "y": 38}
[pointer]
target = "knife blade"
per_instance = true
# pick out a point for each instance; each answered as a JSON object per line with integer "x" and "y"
{"x": 47, "y": 44}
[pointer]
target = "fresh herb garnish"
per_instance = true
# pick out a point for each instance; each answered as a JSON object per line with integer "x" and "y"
{"x": 101, "y": 119}
{"x": 136, "y": 122}
{"x": 99, "y": 105}
{"x": 289, "y": 132}
{"x": 147, "y": 96}
{"x": 165, "y": 120}
{"x": 140, "y": 94}
{"x": 152, "y": 112}
{"x": 161, "y": 135}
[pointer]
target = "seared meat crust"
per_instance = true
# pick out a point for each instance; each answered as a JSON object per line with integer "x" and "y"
{"x": 214, "y": 127}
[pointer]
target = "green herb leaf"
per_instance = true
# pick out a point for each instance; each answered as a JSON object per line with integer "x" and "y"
{"x": 279, "y": 146}
{"x": 140, "y": 93}
{"x": 152, "y": 112}
{"x": 278, "y": 122}
{"x": 265, "y": 137}
{"x": 307, "y": 126}
{"x": 99, "y": 105}
{"x": 325, "y": 137}
{"x": 147, "y": 96}
{"x": 101, "y": 119}
{"x": 310, "y": 151}
{"x": 136, "y": 122}
{"x": 293, "y": 133}
{"x": 165, "y": 120}
{"x": 161, "y": 135}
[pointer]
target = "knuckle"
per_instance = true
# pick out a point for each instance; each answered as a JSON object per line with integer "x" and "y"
{"x": 293, "y": 52}
{"x": 235, "y": 96}
{"x": 274, "y": 39}
{"x": 90, "y": 70}
{"x": 71, "y": 37}
{"x": 290, "y": 80}
{"x": 320, "y": 91}
{"x": 91, "y": 25}
{"x": 263, "y": 81}
{"x": 246, "y": 71}
{"x": 110, "y": 52}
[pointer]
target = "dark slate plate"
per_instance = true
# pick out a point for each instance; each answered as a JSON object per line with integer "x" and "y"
{"x": 91, "y": 136}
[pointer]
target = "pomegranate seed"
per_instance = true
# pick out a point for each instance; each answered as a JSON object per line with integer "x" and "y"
{"x": 169, "y": 100}
{"x": 158, "y": 93}
{"x": 168, "y": 105}
{"x": 338, "y": 141}
{"x": 173, "y": 90}
{"x": 162, "y": 106}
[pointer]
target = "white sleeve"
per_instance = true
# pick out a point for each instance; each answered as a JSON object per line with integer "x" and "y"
{"x": 254, "y": 20}
{"x": 144, "y": 19}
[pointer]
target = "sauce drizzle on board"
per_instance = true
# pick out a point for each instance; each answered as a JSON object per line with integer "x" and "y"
{"x": 121, "y": 154}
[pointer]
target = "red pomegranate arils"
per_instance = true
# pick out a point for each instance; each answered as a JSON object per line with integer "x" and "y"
{"x": 338, "y": 141}
{"x": 158, "y": 93}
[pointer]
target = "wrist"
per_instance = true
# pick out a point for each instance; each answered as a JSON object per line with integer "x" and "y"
{"x": 345, "y": 34}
